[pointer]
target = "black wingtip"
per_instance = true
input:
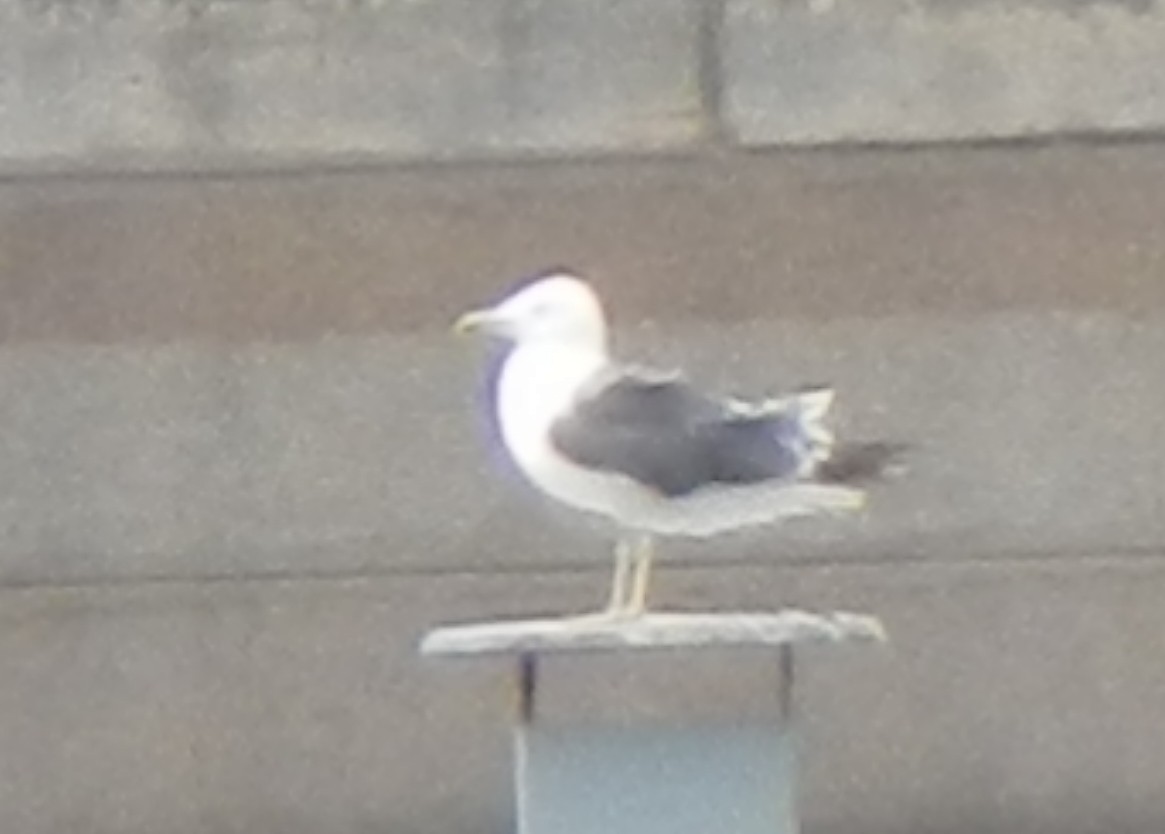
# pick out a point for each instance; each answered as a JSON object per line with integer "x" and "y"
{"x": 856, "y": 463}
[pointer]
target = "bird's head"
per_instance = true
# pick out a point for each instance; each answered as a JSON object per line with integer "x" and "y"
{"x": 557, "y": 307}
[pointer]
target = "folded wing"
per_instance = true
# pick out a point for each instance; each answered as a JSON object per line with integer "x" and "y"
{"x": 673, "y": 439}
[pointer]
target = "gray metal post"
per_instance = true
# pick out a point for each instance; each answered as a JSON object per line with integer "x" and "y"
{"x": 642, "y": 775}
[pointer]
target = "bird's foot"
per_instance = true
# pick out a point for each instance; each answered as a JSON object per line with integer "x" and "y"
{"x": 610, "y": 616}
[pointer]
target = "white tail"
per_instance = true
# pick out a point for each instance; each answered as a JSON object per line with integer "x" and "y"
{"x": 812, "y": 407}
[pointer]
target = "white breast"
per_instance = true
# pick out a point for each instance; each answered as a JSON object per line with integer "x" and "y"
{"x": 538, "y": 385}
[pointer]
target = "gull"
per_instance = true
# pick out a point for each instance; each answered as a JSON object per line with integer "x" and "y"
{"x": 647, "y": 450}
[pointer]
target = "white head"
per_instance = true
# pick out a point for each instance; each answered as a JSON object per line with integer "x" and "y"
{"x": 559, "y": 308}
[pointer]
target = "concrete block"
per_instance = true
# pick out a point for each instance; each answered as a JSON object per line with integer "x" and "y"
{"x": 179, "y": 461}
{"x": 811, "y": 72}
{"x": 192, "y": 85}
{"x": 193, "y": 385}
{"x": 1012, "y": 698}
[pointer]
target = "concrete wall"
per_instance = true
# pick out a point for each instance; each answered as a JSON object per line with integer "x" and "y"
{"x": 243, "y": 470}
{"x": 244, "y": 477}
{"x": 210, "y": 84}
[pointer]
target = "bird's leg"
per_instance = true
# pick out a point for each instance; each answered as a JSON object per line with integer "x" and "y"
{"x": 617, "y": 605}
{"x": 644, "y": 552}
{"x": 632, "y": 552}
{"x": 623, "y": 552}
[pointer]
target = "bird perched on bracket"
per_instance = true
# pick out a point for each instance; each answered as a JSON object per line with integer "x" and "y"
{"x": 647, "y": 450}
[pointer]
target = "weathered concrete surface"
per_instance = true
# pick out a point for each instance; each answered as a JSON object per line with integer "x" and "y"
{"x": 243, "y": 378}
{"x": 823, "y": 71}
{"x": 651, "y": 631}
{"x": 213, "y": 380}
{"x": 1013, "y": 699}
{"x": 811, "y": 236}
{"x": 190, "y": 85}
{"x": 1037, "y": 434}
{"x": 193, "y": 85}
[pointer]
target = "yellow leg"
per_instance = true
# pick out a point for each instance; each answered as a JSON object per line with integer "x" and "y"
{"x": 644, "y": 552}
{"x": 619, "y": 581}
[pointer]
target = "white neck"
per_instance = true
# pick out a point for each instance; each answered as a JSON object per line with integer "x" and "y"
{"x": 536, "y": 386}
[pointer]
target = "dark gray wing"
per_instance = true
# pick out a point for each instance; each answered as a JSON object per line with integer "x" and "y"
{"x": 673, "y": 439}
